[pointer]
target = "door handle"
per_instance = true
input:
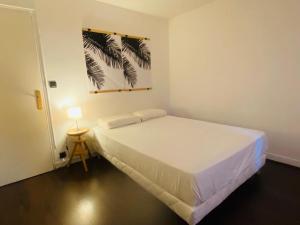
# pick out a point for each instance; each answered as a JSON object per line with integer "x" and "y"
{"x": 38, "y": 99}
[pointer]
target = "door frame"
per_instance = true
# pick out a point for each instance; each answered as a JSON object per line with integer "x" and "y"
{"x": 45, "y": 95}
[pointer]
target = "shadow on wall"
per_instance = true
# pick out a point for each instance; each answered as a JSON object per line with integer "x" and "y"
{"x": 182, "y": 112}
{"x": 204, "y": 2}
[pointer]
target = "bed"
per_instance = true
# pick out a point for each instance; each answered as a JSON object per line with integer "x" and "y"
{"x": 190, "y": 165}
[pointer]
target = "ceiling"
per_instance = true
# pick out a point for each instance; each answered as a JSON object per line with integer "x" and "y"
{"x": 162, "y": 8}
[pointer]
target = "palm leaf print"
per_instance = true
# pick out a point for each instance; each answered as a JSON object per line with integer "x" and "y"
{"x": 129, "y": 72}
{"x": 104, "y": 46}
{"x": 138, "y": 50}
{"x": 94, "y": 71}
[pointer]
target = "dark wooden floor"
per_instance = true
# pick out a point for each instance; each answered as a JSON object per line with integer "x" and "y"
{"x": 106, "y": 196}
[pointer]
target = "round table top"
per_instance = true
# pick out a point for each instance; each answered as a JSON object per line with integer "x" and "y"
{"x": 78, "y": 132}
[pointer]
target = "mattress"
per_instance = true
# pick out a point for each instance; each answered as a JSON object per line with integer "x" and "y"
{"x": 193, "y": 161}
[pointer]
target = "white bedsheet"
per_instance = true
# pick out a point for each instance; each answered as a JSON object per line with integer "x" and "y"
{"x": 191, "y": 160}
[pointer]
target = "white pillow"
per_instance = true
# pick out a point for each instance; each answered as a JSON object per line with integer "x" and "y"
{"x": 118, "y": 121}
{"x": 148, "y": 114}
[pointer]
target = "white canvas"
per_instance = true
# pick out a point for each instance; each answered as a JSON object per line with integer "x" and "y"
{"x": 141, "y": 68}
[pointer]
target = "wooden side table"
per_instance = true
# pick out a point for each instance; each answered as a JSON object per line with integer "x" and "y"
{"x": 80, "y": 147}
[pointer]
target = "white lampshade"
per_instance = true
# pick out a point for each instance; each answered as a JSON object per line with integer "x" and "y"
{"x": 74, "y": 113}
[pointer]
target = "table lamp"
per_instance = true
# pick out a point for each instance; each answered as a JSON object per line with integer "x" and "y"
{"x": 75, "y": 113}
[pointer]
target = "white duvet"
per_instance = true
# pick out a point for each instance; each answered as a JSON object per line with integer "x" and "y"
{"x": 191, "y": 160}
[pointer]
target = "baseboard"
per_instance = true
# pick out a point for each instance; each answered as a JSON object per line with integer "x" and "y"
{"x": 283, "y": 159}
{"x": 62, "y": 163}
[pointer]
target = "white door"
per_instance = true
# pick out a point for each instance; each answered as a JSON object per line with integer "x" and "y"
{"x": 24, "y": 133}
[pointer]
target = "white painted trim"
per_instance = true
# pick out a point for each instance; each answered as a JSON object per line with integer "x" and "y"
{"x": 62, "y": 163}
{"x": 16, "y": 7}
{"x": 283, "y": 159}
{"x": 44, "y": 85}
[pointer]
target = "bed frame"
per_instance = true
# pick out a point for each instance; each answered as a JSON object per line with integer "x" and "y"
{"x": 192, "y": 215}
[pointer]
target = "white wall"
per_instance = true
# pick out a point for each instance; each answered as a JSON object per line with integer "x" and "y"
{"x": 233, "y": 62}
{"x": 237, "y": 62}
{"x": 60, "y": 23}
{"x": 19, "y": 3}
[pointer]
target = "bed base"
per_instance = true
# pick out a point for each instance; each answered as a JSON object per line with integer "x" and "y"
{"x": 192, "y": 215}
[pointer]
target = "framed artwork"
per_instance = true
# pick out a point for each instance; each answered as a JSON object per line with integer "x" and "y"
{"x": 116, "y": 62}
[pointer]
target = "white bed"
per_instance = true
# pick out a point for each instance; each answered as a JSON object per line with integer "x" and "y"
{"x": 190, "y": 165}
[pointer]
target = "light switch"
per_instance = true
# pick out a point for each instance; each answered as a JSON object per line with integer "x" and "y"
{"x": 52, "y": 84}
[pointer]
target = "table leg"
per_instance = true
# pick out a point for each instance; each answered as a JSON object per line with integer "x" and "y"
{"x": 87, "y": 148}
{"x": 84, "y": 163}
{"x": 72, "y": 154}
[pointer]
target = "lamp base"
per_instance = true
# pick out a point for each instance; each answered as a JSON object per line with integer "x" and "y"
{"x": 77, "y": 125}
